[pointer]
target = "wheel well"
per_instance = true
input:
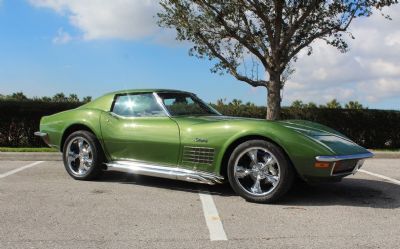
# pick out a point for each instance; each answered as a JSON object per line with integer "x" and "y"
{"x": 234, "y": 144}
{"x": 71, "y": 129}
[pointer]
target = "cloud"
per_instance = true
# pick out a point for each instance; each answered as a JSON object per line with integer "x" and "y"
{"x": 369, "y": 72}
{"x": 380, "y": 89}
{"x": 62, "y": 37}
{"x": 104, "y": 19}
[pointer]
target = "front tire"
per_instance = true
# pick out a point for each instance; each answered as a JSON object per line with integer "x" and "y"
{"x": 259, "y": 171}
{"x": 83, "y": 156}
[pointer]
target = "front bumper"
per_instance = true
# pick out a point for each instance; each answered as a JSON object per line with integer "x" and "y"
{"x": 343, "y": 157}
{"x": 44, "y": 136}
{"x": 343, "y": 165}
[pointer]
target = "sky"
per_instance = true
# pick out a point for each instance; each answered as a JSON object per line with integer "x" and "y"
{"x": 91, "y": 47}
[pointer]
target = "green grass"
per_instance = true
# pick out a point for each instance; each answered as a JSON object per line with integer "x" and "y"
{"x": 11, "y": 149}
{"x": 386, "y": 150}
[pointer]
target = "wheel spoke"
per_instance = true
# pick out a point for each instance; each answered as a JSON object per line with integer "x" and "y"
{"x": 80, "y": 145}
{"x": 256, "y": 188}
{"x": 88, "y": 149}
{"x": 88, "y": 162}
{"x": 272, "y": 179}
{"x": 72, "y": 156}
{"x": 241, "y": 172}
{"x": 269, "y": 160}
{"x": 82, "y": 167}
{"x": 253, "y": 155}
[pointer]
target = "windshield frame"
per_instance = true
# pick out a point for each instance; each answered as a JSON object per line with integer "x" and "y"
{"x": 196, "y": 99}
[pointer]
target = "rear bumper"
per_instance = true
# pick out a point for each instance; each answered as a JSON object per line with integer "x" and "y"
{"x": 44, "y": 136}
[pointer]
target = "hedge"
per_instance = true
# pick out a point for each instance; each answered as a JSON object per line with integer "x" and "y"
{"x": 20, "y": 119}
{"x": 375, "y": 129}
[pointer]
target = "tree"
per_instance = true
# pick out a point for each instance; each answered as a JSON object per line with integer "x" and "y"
{"x": 73, "y": 98}
{"x": 311, "y": 105}
{"x": 251, "y": 104}
{"x": 59, "y": 97}
{"x": 221, "y": 102}
{"x": 236, "y": 102}
{"x": 87, "y": 99}
{"x": 46, "y": 99}
{"x": 297, "y": 104}
{"x": 333, "y": 104}
{"x": 18, "y": 96}
{"x": 266, "y": 33}
{"x": 353, "y": 105}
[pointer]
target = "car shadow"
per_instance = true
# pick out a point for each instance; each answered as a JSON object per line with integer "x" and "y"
{"x": 349, "y": 192}
{"x": 148, "y": 181}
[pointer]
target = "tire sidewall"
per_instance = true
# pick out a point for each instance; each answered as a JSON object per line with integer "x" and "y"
{"x": 286, "y": 172}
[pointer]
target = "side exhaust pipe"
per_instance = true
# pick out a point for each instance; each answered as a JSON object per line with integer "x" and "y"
{"x": 142, "y": 168}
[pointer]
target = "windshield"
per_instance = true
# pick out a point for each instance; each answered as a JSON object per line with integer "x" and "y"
{"x": 185, "y": 104}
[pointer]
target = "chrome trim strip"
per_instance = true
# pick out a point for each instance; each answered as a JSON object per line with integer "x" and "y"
{"x": 198, "y": 155}
{"x": 169, "y": 172}
{"x": 358, "y": 165}
{"x": 343, "y": 157}
{"x": 45, "y": 137}
{"x": 161, "y": 104}
{"x": 40, "y": 134}
{"x": 204, "y": 103}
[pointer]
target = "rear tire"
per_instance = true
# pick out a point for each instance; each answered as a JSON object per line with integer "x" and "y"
{"x": 83, "y": 155}
{"x": 259, "y": 171}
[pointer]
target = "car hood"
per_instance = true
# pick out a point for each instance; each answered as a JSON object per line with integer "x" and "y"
{"x": 311, "y": 128}
{"x": 331, "y": 139}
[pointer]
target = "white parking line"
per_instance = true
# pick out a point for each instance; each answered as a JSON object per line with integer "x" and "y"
{"x": 11, "y": 172}
{"x": 380, "y": 176}
{"x": 211, "y": 215}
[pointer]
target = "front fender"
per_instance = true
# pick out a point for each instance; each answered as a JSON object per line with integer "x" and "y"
{"x": 300, "y": 149}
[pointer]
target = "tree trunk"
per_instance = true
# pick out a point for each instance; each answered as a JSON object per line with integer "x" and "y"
{"x": 274, "y": 97}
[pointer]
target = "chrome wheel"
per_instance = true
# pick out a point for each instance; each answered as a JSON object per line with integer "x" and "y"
{"x": 257, "y": 171}
{"x": 79, "y": 156}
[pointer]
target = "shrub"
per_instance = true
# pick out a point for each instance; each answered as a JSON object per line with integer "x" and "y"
{"x": 20, "y": 119}
{"x": 369, "y": 128}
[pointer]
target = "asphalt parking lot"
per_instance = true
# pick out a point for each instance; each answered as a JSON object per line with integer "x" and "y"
{"x": 42, "y": 207}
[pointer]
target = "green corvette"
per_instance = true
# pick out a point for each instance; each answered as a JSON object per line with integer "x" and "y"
{"x": 173, "y": 134}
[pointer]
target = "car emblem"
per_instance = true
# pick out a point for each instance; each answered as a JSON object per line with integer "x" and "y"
{"x": 201, "y": 140}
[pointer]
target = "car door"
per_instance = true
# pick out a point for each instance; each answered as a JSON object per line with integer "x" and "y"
{"x": 137, "y": 128}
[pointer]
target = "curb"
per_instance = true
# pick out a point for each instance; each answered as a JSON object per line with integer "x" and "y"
{"x": 30, "y": 156}
{"x": 386, "y": 154}
{"x": 57, "y": 156}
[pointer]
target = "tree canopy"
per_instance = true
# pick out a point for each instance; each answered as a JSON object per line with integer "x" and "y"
{"x": 258, "y": 40}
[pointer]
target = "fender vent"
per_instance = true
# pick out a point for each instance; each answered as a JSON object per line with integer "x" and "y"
{"x": 198, "y": 155}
